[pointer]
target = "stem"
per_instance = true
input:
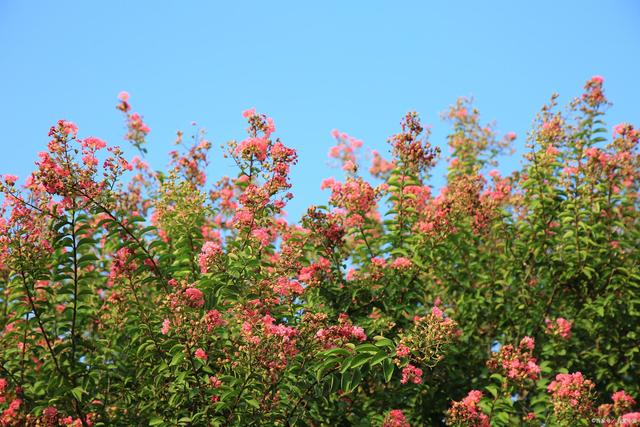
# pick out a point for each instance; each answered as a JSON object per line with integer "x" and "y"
{"x": 36, "y": 313}
{"x": 237, "y": 401}
{"x": 313, "y": 384}
{"x": 366, "y": 242}
{"x": 144, "y": 249}
{"x": 75, "y": 286}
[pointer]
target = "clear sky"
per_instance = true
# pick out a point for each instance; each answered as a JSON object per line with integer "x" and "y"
{"x": 357, "y": 66}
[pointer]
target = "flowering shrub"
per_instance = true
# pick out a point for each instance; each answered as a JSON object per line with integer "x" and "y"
{"x": 134, "y": 297}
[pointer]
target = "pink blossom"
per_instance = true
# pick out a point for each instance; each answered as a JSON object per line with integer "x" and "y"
{"x": 243, "y": 217}
{"x": 402, "y": 350}
{"x": 69, "y": 128}
{"x": 123, "y": 96}
{"x": 358, "y": 333}
{"x": 11, "y": 411}
{"x": 195, "y": 297}
{"x": 215, "y": 382}
{"x": 401, "y": 263}
{"x": 200, "y": 354}
{"x": 461, "y": 113}
{"x": 466, "y": 412}
{"x": 94, "y": 143}
{"x": 571, "y": 392}
{"x": 622, "y": 401}
{"x": 249, "y": 113}
{"x": 247, "y": 328}
{"x": 327, "y": 183}
{"x": 412, "y": 374}
{"x": 286, "y": 287}
{"x": 378, "y": 261}
{"x": 165, "y": 327}
{"x": 395, "y": 418}
{"x": 472, "y": 398}
{"x": 560, "y": 327}
{"x": 629, "y": 419}
{"x": 213, "y": 319}
{"x": 516, "y": 363}
{"x": 334, "y": 152}
{"x": 253, "y": 146}
{"x": 349, "y": 166}
{"x": 262, "y": 235}
{"x": 620, "y": 128}
{"x": 437, "y": 312}
{"x": 10, "y": 179}
{"x": 528, "y": 343}
{"x": 591, "y": 152}
{"x": 552, "y": 151}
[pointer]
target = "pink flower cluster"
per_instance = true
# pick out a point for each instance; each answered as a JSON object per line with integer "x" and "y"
{"x": 201, "y": 354}
{"x": 213, "y": 319}
{"x": 411, "y": 149}
{"x": 344, "y": 331}
{"x": 253, "y": 146}
{"x": 401, "y": 263}
{"x": 312, "y": 274}
{"x": 517, "y": 364}
{"x": 286, "y": 287}
{"x": 594, "y": 95}
{"x": 9, "y": 416}
{"x": 345, "y": 150}
{"x": 166, "y": 325}
{"x": 191, "y": 164}
{"x": 560, "y": 327}
{"x": 412, "y": 374}
{"x": 622, "y": 401}
{"x": 137, "y": 129}
{"x": 626, "y": 130}
{"x": 571, "y": 395}
{"x": 194, "y": 297}
{"x": 402, "y": 350}
{"x": 272, "y": 344}
{"x": 209, "y": 256}
{"x": 466, "y": 412}
{"x": 10, "y": 179}
{"x": 123, "y": 264}
{"x": 614, "y": 413}
{"x": 379, "y": 166}
{"x": 3, "y": 386}
{"x": 416, "y": 197}
{"x": 257, "y": 144}
{"x": 356, "y": 196}
{"x": 395, "y": 418}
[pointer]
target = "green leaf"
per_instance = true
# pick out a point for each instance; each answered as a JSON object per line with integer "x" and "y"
{"x": 378, "y": 357}
{"x": 387, "y": 369}
{"x": 77, "y": 393}
{"x": 383, "y": 342}
{"x": 176, "y": 359}
{"x": 360, "y": 360}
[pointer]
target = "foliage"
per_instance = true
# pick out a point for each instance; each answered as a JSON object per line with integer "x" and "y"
{"x": 159, "y": 299}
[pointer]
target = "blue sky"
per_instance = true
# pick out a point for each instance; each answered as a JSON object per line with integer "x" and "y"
{"x": 354, "y": 66}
